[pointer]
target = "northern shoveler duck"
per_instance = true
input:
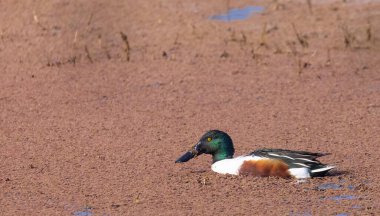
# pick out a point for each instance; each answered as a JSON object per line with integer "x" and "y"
{"x": 262, "y": 162}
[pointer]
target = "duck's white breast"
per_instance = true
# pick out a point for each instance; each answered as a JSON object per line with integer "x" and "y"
{"x": 231, "y": 166}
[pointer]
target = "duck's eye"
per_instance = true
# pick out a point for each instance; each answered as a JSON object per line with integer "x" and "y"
{"x": 209, "y": 139}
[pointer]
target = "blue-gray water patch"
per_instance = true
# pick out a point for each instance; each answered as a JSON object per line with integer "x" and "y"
{"x": 85, "y": 212}
{"x": 329, "y": 186}
{"x": 238, "y": 13}
{"x": 295, "y": 213}
{"x": 341, "y": 197}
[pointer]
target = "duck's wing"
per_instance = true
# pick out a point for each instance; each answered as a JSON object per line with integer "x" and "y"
{"x": 296, "y": 159}
{"x": 289, "y": 154}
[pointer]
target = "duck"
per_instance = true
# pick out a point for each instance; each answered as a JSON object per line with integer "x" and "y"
{"x": 261, "y": 163}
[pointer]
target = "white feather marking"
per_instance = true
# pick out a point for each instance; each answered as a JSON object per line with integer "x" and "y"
{"x": 304, "y": 159}
{"x": 285, "y": 156}
{"x": 323, "y": 169}
{"x": 300, "y": 173}
{"x": 301, "y": 164}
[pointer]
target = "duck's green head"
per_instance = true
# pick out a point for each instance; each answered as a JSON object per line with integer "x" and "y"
{"x": 214, "y": 142}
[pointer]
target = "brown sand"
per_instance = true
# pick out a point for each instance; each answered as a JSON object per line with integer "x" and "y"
{"x": 84, "y": 131}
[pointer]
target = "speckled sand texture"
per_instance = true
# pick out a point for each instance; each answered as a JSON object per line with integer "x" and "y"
{"x": 84, "y": 131}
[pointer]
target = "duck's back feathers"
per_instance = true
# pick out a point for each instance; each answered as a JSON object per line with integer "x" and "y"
{"x": 296, "y": 159}
{"x": 287, "y": 153}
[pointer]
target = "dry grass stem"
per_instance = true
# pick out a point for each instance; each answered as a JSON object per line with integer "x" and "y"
{"x": 127, "y": 47}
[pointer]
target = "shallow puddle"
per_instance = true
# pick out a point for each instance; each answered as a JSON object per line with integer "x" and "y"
{"x": 85, "y": 212}
{"x": 238, "y": 13}
{"x": 341, "y": 197}
{"x": 294, "y": 213}
{"x": 329, "y": 186}
{"x": 333, "y": 186}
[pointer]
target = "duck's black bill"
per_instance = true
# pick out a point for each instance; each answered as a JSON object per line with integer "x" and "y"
{"x": 192, "y": 153}
{"x": 185, "y": 157}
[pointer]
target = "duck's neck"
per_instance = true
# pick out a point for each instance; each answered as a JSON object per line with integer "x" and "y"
{"x": 221, "y": 156}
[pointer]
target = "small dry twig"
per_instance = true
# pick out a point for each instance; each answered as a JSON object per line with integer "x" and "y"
{"x": 328, "y": 60}
{"x": 349, "y": 38}
{"x": 75, "y": 37}
{"x": 369, "y": 31}
{"x": 37, "y": 21}
{"x": 300, "y": 65}
{"x": 310, "y": 6}
{"x": 176, "y": 40}
{"x": 90, "y": 19}
{"x": 263, "y": 36}
{"x": 88, "y": 54}
{"x": 127, "y": 47}
{"x": 243, "y": 40}
{"x": 301, "y": 39}
{"x": 137, "y": 199}
{"x": 100, "y": 41}
{"x": 253, "y": 53}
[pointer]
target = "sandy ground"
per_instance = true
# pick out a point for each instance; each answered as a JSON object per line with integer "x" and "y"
{"x": 90, "y": 127}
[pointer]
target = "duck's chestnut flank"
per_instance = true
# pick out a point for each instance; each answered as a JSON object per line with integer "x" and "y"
{"x": 265, "y": 168}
